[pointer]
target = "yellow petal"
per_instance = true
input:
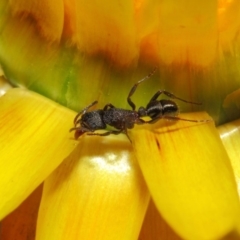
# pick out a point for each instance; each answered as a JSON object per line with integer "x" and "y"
{"x": 34, "y": 139}
{"x": 4, "y": 85}
{"x": 154, "y": 226}
{"x": 98, "y": 192}
{"x": 102, "y": 33}
{"x": 228, "y": 24}
{"x": 47, "y": 15}
{"x": 230, "y": 135}
{"x": 190, "y": 177}
{"x": 187, "y": 33}
{"x": 21, "y": 223}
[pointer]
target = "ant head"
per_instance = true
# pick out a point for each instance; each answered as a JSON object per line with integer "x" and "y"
{"x": 142, "y": 112}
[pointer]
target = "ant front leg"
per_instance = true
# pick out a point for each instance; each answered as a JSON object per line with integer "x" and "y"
{"x": 133, "y": 89}
{"x": 170, "y": 95}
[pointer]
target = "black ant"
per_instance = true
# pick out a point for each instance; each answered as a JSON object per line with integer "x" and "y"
{"x": 124, "y": 119}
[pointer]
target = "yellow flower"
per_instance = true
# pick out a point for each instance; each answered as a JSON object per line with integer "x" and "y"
{"x": 106, "y": 187}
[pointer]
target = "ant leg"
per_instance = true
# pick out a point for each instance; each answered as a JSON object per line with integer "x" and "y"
{"x": 115, "y": 132}
{"x": 154, "y": 120}
{"x": 109, "y": 105}
{"x": 125, "y": 131}
{"x": 140, "y": 121}
{"x": 133, "y": 89}
{"x": 83, "y": 111}
{"x": 170, "y": 95}
{"x": 187, "y": 120}
{"x": 178, "y": 119}
{"x": 175, "y": 97}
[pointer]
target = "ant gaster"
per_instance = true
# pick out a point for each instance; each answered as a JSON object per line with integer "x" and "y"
{"x": 124, "y": 119}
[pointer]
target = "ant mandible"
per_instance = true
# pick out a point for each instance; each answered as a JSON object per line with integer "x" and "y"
{"x": 124, "y": 119}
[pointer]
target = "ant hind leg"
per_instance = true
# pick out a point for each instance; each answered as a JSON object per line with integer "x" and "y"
{"x": 170, "y": 95}
{"x": 174, "y": 118}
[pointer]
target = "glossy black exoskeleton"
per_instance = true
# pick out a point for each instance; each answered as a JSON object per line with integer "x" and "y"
{"x": 123, "y": 119}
